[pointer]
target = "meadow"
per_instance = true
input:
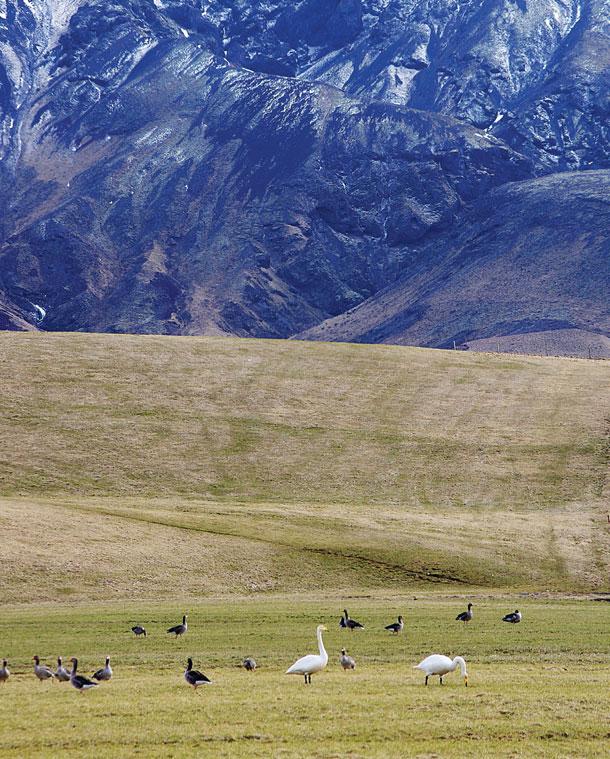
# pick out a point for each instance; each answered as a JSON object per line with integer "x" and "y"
{"x": 261, "y": 486}
{"x": 538, "y": 689}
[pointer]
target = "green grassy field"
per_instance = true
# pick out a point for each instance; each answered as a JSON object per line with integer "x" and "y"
{"x": 263, "y": 485}
{"x": 538, "y": 689}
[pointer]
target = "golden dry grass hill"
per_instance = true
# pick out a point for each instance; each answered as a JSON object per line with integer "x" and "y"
{"x": 217, "y": 467}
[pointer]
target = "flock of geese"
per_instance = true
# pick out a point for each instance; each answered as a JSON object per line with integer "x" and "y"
{"x": 434, "y": 665}
{"x": 80, "y": 682}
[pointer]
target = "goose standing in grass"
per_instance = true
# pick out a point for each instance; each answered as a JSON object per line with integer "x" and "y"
{"x": 61, "y": 673}
{"x": 515, "y": 617}
{"x": 179, "y": 629}
{"x": 351, "y": 624}
{"x": 4, "y": 673}
{"x": 138, "y": 630}
{"x": 41, "y": 671}
{"x": 346, "y": 661}
{"x": 440, "y": 665}
{"x": 105, "y": 673}
{"x": 194, "y": 677}
{"x": 465, "y": 616}
{"x": 249, "y": 664}
{"x": 342, "y": 623}
{"x": 396, "y": 627}
{"x": 80, "y": 682}
{"x": 308, "y": 665}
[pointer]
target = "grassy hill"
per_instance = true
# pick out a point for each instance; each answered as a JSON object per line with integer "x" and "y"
{"x": 289, "y": 466}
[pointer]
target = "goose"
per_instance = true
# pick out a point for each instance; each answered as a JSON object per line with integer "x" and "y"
{"x": 249, "y": 664}
{"x": 346, "y": 661}
{"x": 396, "y": 627}
{"x": 311, "y": 663}
{"x": 441, "y": 665}
{"x": 4, "y": 673}
{"x": 514, "y": 617}
{"x": 465, "y": 616}
{"x": 41, "y": 671}
{"x": 138, "y": 630}
{"x": 342, "y": 623}
{"x": 80, "y": 682}
{"x": 105, "y": 673}
{"x": 179, "y": 629}
{"x": 351, "y": 624}
{"x": 61, "y": 673}
{"x": 193, "y": 677}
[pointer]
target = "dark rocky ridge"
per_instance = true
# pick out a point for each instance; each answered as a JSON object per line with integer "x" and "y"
{"x": 563, "y": 218}
{"x": 194, "y": 168}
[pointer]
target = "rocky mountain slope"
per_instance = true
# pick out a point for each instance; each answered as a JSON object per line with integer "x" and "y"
{"x": 562, "y": 217}
{"x": 258, "y": 168}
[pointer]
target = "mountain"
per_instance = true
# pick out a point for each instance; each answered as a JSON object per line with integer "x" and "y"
{"x": 260, "y": 168}
{"x": 501, "y": 266}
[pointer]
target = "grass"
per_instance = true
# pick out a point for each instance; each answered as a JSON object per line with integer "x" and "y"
{"x": 539, "y": 689}
{"x": 270, "y": 420}
{"x": 345, "y": 466}
{"x": 262, "y": 485}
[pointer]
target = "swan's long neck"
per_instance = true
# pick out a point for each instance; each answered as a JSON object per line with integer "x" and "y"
{"x": 321, "y": 648}
{"x": 458, "y": 661}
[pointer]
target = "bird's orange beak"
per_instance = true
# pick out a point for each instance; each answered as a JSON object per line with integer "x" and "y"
{"x": 466, "y": 680}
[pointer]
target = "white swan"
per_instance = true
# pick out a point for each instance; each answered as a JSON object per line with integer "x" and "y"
{"x": 440, "y": 665}
{"x": 311, "y": 663}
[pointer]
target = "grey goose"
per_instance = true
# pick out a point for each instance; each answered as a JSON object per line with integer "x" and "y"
{"x": 105, "y": 673}
{"x": 61, "y": 673}
{"x": 347, "y": 662}
{"x": 41, "y": 671}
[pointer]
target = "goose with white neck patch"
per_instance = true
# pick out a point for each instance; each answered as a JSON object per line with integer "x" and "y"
{"x": 80, "y": 682}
